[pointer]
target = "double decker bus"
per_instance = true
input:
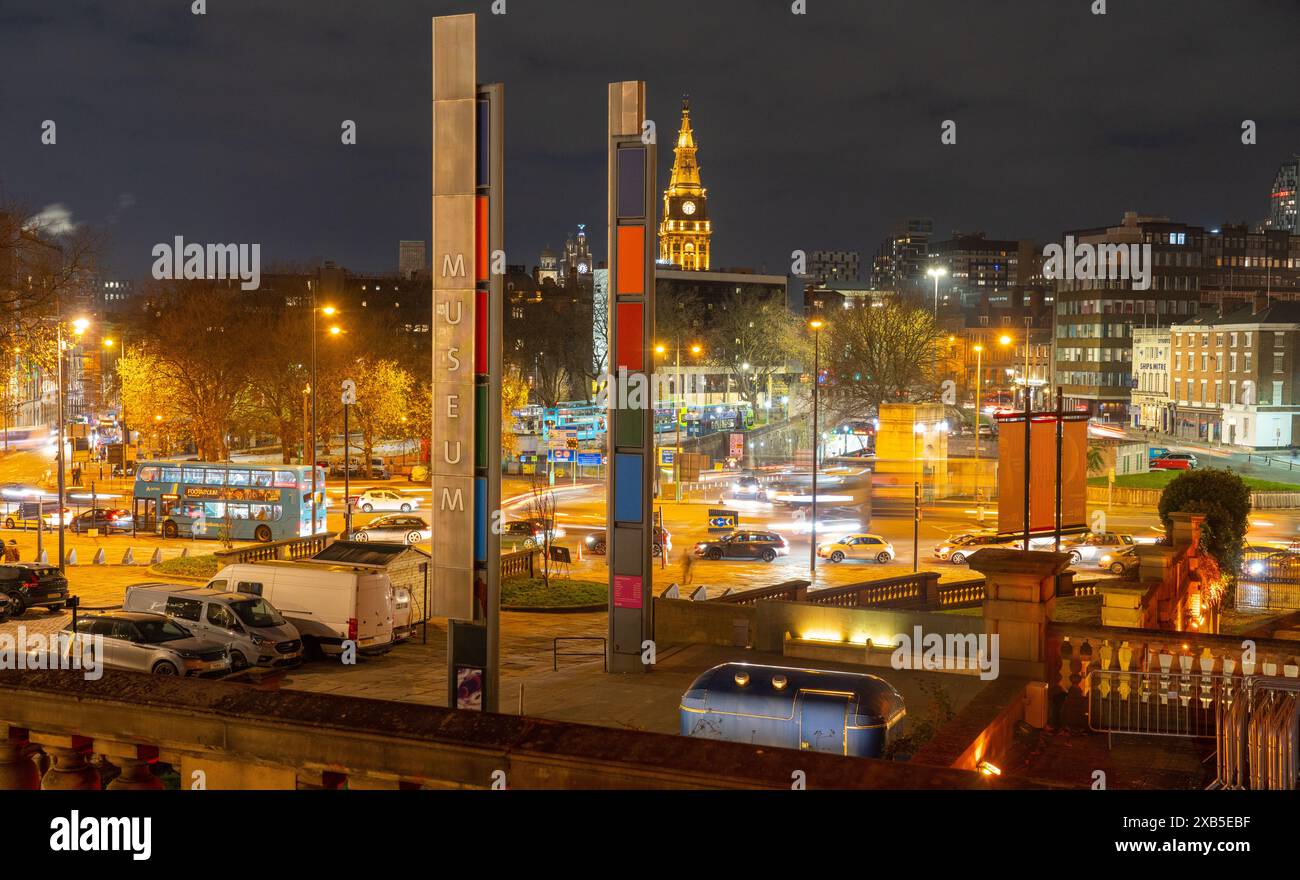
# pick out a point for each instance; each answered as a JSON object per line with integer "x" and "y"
{"x": 243, "y": 502}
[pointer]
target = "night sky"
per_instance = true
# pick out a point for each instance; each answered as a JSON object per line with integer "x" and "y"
{"x": 815, "y": 131}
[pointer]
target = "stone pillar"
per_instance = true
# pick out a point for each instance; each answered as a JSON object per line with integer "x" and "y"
{"x": 135, "y": 762}
{"x": 17, "y": 769}
{"x": 69, "y": 769}
{"x": 1019, "y": 597}
{"x": 1185, "y": 529}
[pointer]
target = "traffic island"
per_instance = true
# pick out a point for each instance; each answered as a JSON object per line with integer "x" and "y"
{"x": 560, "y": 595}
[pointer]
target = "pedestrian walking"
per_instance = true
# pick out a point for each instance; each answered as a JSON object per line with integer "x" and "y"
{"x": 688, "y": 565}
{"x": 11, "y": 551}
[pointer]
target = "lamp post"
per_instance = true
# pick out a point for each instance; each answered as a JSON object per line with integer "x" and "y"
{"x": 329, "y": 312}
{"x": 936, "y": 272}
{"x": 815, "y": 325}
{"x": 679, "y": 381}
{"x": 979, "y": 380}
{"x": 78, "y": 328}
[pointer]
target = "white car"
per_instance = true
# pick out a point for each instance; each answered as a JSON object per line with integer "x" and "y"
{"x": 857, "y": 546}
{"x": 1091, "y": 546}
{"x": 384, "y": 499}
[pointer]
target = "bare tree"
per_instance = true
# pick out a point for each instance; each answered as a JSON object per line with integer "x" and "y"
{"x": 541, "y": 509}
{"x": 751, "y": 337}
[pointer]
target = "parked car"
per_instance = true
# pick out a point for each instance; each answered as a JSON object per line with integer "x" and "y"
{"x": 744, "y": 544}
{"x": 1173, "y": 461}
{"x": 327, "y": 603}
{"x": 356, "y": 467}
{"x": 597, "y": 542}
{"x": 395, "y": 528}
{"x": 1091, "y": 545}
{"x": 256, "y": 633}
{"x": 104, "y": 519}
{"x": 384, "y": 499}
{"x": 857, "y": 546}
{"x": 31, "y": 584}
{"x": 142, "y": 642}
{"x": 1122, "y": 561}
{"x": 531, "y": 532}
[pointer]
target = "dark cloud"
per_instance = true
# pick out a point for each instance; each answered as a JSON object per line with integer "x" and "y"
{"x": 815, "y": 130}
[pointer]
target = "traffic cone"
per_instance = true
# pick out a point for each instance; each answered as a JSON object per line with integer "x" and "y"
{"x": 99, "y": 557}
{"x": 157, "y": 556}
{"x": 71, "y": 558}
{"x": 128, "y": 558}
{"x": 43, "y": 558}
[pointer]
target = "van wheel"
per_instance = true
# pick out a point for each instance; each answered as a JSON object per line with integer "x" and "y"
{"x": 170, "y": 530}
{"x": 17, "y": 605}
{"x": 165, "y": 668}
{"x": 311, "y": 649}
{"x": 237, "y": 661}
{"x": 263, "y": 534}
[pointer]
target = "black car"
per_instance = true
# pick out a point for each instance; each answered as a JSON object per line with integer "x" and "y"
{"x": 744, "y": 544}
{"x": 598, "y": 542}
{"x": 104, "y": 519}
{"x": 29, "y": 584}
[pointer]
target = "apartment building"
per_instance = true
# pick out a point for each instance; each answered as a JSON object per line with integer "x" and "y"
{"x": 1150, "y": 406}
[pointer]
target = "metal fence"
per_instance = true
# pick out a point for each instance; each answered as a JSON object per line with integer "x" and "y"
{"x": 1157, "y": 703}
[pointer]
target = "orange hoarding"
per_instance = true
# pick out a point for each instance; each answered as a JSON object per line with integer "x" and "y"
{"x": 1042, "y": 473}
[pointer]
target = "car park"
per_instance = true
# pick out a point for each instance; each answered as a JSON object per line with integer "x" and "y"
{"x": 744, "y": 544}
{"x": 384, "y": 499}
{"x": 395, "y": 528}
{"x": 251, "y": 627}
{"x": 103, "y": 519}
{"x": 33, "y": 585}
{"x": 857, "y": 546}
{"x": 329, "y": 604}
{"x": 1173, "y": 461}
{"x": 597, "y": 542}
{"x": 143, "y": 642}
{"x": 1121, "y": 561}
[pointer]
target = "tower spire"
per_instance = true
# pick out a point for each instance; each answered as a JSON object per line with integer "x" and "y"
{"x": 685, "y": 230}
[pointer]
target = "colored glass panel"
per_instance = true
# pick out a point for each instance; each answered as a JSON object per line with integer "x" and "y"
{"x": 481, "y": 262}
{"x": 628, "y": 486}
{"x": 629, "y": 344}
{"x": 631, "y": 182}
{"x": 631, "y": 259}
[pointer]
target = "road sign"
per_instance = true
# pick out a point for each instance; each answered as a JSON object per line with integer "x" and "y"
{"x": 667, "y": 456}
{"x": 565, "y": 455}
{"x": 722, "y": 520}
{"x": 349, "y": 396}
{"x": 571, "y": 443}
{"x": 590, "y": 459}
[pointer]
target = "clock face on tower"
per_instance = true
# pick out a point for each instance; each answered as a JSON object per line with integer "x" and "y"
{"x": 582, "y": 268}
{"x": 688, "y": 207}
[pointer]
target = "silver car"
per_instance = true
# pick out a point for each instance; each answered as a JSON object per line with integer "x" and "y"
{"x": 396, "y": 528}
{"x": 140, "y": 642}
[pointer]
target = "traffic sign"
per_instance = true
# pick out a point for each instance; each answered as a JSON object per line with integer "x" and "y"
{"x": 564, "y": 455}
{"x": 722, "y": 520}
{"x": 590, "y": 459}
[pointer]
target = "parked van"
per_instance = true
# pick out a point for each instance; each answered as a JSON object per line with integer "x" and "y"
{"x": 258, "y": 635}
{"x": 327, "y": 603}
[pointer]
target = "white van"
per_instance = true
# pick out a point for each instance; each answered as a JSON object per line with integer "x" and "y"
{"x": 328, "y": 603}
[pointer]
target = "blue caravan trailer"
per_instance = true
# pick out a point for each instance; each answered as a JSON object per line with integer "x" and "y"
{"x": 845, "y": 713}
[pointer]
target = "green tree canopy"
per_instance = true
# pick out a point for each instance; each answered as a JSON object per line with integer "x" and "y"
{"x": 1223, "y": 498}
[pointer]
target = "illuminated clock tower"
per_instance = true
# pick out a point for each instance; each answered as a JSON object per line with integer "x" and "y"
{"x": 685, "y": 229}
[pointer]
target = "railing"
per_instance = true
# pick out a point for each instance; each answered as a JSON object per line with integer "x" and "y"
{"x": 915, "y": 590}
{"x": 1164, "y": 703}
{"x": 789, "y": 591}
{"x": 520, "y": 564}
{"x": 293, "y": 548}
{"x": 556, "y": 653}
{"x": 1125, "y": 497}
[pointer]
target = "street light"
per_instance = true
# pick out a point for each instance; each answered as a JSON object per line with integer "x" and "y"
{"x": 661, "y": 349}
{"x": 936, "y": 272}
{"x": 816, "y": 325}
{"x": 79, "y": 327}
{"x": 329, "y": 312}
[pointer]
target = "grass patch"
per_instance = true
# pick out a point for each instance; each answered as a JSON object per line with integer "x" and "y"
{"x": 1160, "y": 479}
{"x": 189, "y": 566}
{"x": 562, "y": 593}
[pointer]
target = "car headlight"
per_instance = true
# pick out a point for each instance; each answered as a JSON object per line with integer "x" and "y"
{"x": 1105, "y": 560}
{"x": 1256, "y": 567}
{"x": 262, "y": 642}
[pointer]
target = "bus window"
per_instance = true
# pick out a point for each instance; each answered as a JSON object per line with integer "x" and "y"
{"x": 192, "y": 475}
{"x": 262, "y": 478}
{"x": 147, "y": 474}
{"x": 239, "y": 477}
{"x": 216, "y": 477}
{"x": 286, "y": 479}
{"x": 237, "y": 511}
{"x": 214, "y": 509}
{"x": 171, "y": 475}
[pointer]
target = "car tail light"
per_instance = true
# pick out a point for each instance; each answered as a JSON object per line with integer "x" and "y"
{"x": 352, "y": 629}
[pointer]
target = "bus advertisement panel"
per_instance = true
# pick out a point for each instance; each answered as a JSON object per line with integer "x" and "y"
{"x": 238, "y": 502}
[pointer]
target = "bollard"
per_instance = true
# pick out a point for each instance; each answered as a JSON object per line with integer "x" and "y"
{"x": 71, "y": 558}
{"x": 43, "y": 558}
{"x": 157, "y": 556}
{"x": 128, "y": 558}
{"x": 99, "y": 557}
{"x": 185, "y": 551}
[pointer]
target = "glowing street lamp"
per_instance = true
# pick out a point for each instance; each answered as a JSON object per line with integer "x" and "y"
{"x": 816, "y": 325}
{"x": 936, "y": 272}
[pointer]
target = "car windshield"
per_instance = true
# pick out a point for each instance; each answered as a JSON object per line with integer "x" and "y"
{"x": 257, "y": 613}
{"x": 155, "y": 632}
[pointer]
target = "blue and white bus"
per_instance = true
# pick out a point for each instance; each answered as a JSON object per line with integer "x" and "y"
{"x": 210, "y": 500}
